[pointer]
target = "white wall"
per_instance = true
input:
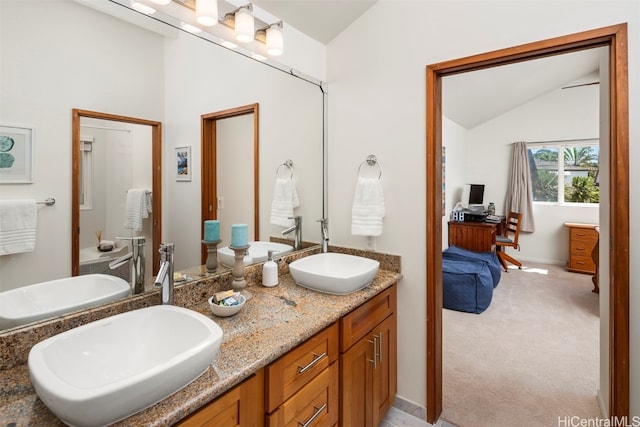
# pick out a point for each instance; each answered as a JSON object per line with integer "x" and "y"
{"x": 56, "y": 56}
{"x": 453, "y": 140}
{"x": 234, "y": 162}
{"x": 376, "y": 77}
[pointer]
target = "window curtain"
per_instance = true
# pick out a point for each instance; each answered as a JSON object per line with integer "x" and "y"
{"x": 519, "y": 188}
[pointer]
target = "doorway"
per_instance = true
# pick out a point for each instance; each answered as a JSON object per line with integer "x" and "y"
{"x": 614, "y": 37}
{"x": 211, "y": 125}
{"x": 76, "y": 186}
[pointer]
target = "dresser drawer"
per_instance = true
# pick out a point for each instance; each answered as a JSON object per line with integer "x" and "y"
{"x": 292, "y": 371}
{"x": 363, "y": 319}
{"x": 316, "y": 404}
{"x": 581, "y": 248}
{"x": 582, "y": 263}
{"x": 583, "y": 235}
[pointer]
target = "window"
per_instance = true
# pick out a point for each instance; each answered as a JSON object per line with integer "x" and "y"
{"x": 86, "y": 173}
{"x": 571, "y": 166}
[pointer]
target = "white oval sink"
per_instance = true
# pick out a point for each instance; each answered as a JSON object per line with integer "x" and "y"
{"x": 48, "y": 299}
{"x": 107, "y": 370}
{"x": 334, "y": 273}
{"x": 257, "y": 252}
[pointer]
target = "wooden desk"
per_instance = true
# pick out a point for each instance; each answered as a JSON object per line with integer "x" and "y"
{"x": 473, "y": 235}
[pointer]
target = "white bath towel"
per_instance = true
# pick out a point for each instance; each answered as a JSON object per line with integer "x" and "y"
{"x": 137, "y": 208}
{"x": 285, "y": 200}
{"x": 18, "y": 221}
{"x": 368, "y": 208}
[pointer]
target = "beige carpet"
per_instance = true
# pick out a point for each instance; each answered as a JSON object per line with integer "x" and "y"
{"x": 531, "y": 357}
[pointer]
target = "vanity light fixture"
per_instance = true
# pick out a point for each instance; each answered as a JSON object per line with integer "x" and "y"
{"x": 162, "y": 2}
{"x": 244, "y": 24}
{"x": 207, "y": 12}
{"x": 142, "y": 8}
{"x": 275, "y": 41}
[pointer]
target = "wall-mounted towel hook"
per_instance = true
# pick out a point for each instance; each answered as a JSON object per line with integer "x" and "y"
{"x": 289, "y": 164}
{"x": 372, "y": 161}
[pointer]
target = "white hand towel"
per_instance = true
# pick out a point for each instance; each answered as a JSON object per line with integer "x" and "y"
{"x": 368, "y": 207}
{"x": 18, "y": 221}
{"x": 137, "y": 208}
{"x": 285, "y": 200}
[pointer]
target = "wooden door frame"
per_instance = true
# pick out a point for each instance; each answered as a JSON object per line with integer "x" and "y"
{"x": 614, "y": 37}
{"x": 156, "y": 180}
{"x": 209, "y": 143}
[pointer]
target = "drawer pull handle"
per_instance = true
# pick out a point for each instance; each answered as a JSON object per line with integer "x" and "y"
{"x": 375, "y": 352}
{"x": 318, "y": 357}
{"x": 380, "y": 344}
{"x": 314, "y": 416}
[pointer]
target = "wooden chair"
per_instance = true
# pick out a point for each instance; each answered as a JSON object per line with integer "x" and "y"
{"x": 509, "y": 239}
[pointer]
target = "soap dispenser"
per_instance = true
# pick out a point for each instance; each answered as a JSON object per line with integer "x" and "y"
{"x": 270, "y": 271}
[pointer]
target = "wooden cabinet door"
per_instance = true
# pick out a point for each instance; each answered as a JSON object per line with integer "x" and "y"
{"x": 242, "y": 406}
{"x": 356, "y": 374}
{"x": 369, "y": 379}
{"x": 384, "y": 378}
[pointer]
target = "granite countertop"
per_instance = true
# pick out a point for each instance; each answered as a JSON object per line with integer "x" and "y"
{"x": 273, "y": 322}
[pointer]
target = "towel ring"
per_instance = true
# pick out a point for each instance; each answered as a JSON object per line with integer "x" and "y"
{"x": 371, "y": 161}
{"x": 289, "y": 164}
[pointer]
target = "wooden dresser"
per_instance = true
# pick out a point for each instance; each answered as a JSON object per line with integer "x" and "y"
{"x": 582, "y": 240}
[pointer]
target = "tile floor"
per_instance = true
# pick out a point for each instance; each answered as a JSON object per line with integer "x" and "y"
{"x": 397, "y": 418}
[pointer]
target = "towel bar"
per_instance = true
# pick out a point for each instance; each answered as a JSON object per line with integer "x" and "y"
{"x": 49, "y": 201}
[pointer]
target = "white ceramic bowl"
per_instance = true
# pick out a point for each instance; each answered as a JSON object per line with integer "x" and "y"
{"x": 227, "y": 310}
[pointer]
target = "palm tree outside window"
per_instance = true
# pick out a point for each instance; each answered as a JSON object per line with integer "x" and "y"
{"x": 576, "y": 172}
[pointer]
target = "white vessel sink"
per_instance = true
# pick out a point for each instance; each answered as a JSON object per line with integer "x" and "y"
{"x": 107, "y": 370}
{"x": 334, "y": 273}
{"x": 257, "y": 252}
{"x": 48, "y": 299}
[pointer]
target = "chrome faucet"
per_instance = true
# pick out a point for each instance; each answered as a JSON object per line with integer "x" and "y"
{"x": 325, "y": 234}
{"x": 164, "y": 279}
{"x": 137, "y": 263}
{"x": 297, "y": 227}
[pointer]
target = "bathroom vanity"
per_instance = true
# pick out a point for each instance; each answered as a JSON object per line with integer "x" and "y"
{"x": 336, "y": 341}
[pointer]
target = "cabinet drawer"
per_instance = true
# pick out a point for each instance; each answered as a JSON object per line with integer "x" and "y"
{"x": 584, "y": 235}
{"x": 582, "y": 263}
{"x": 582, "y": 248}
{"x": 316, "y": 404}
{"x": 292, "y": 371}
{"x": 363, "y": 319}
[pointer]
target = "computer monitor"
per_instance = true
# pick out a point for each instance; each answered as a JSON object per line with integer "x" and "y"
{"x": 472, "y": 196}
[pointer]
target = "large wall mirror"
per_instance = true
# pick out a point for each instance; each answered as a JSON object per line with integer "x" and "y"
{"x": 96, "y": 62}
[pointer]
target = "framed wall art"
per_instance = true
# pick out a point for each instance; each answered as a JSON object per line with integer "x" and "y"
{"x": 183, "y": 163}
{"x": 16, "y": 154}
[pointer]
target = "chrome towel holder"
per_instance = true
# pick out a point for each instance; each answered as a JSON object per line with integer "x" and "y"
{"x": 372, "y": 161}
{"x": 289, "y": 164}
{"x": 49, "y": 201}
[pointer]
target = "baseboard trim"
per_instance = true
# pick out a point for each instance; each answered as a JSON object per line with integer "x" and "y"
{"x": 410, "y": 407}
{"x": 603, "y": 407}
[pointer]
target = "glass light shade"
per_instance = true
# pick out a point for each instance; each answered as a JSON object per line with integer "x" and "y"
{"x": 244, "y": 26}
{"x": 275, "y": 42}
{"x": 207, "y": 12}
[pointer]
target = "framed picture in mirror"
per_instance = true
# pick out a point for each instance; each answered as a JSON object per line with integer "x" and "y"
{"x": 16, "y": 154}
{"x": 183, "y": 163}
